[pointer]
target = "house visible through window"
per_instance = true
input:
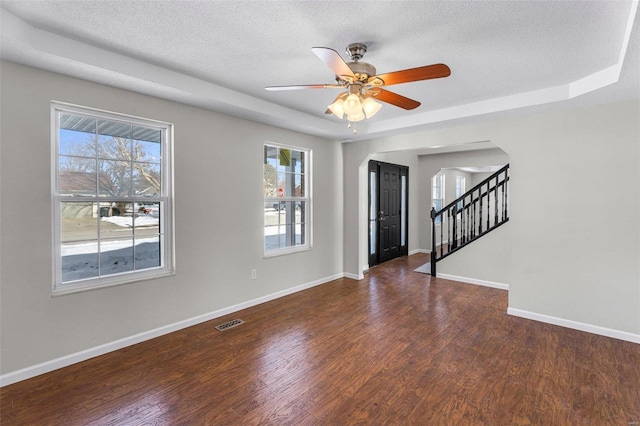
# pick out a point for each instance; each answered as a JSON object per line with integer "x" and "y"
{"x": 437, "y": 194}
{"x": 111, "y": 198}
{"x": 287, "y": 199}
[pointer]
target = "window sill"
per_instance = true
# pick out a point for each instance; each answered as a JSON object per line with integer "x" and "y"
{"x": 111, "y": 281}
{"x": 285, "y": 251}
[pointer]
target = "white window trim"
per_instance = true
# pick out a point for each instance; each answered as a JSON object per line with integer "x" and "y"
{"x": 309, "y": 199}
{"x": 167, "y": 267}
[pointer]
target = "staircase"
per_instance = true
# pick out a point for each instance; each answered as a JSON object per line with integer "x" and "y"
{"x": 479, "y": 211}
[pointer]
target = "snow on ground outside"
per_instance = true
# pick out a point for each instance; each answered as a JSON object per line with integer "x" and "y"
{"x": 128, "y": 221}
{"x": 81, "y": 260}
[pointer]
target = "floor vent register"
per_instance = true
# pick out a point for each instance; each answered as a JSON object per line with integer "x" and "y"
{"x": 229, "y": 324}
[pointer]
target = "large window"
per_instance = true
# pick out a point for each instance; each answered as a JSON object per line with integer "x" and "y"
{"x": 287, "y": 199}
{"x": 111, "y": 198}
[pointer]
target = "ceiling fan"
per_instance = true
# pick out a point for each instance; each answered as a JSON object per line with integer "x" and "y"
{"x": 363, "y": 86}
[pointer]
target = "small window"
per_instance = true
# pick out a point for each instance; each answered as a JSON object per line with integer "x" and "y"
{"x": 111, "y": 198}
{"x": 437, "y": 194}
{"x": 460, "y": 190}
{"x": 287, "y": 199}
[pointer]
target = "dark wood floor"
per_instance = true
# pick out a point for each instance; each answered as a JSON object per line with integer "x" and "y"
{"x": 396, "y": 348}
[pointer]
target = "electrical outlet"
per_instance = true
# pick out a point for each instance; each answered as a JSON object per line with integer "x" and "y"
{"x": 254, "y": 274}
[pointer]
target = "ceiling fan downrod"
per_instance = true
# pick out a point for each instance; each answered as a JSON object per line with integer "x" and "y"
{"x": 356, "y": 51}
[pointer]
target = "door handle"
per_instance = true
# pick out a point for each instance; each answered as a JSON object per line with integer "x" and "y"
{"x": 381, "y": 216}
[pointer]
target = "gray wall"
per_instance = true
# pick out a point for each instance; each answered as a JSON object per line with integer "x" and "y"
{"x": 476, "y": 178}
{"x": 570, "y": 256}
{"x": 218, "y": 222}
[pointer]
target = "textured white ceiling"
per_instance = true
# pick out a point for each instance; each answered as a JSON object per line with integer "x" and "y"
{"x": 221, "y": 54}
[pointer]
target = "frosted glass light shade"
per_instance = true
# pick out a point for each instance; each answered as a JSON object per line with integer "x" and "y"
{"x": 337, "y": 108}
{"x": 352, "y": 105}
{"x": 371, "y": 107}
{"x": 356, "y": 117}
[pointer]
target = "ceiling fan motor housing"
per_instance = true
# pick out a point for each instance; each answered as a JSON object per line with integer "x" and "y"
{"x": 362, "y": 70}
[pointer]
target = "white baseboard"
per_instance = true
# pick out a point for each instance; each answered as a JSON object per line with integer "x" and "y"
{"x": 419, "y": 251}
{"x": 354, "y": 276}
{"x": 47, "y": 366}
{"x": 473, "y": 281}
{"x": 589, "y": 328}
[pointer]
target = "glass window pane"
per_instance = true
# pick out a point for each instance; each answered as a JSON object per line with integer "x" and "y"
{"x": 77, "y": 176}
{"x": 79, "y": 260}
{"x": 285, "y": 208}
{"x": 114, "y": 178}
{"x": 147, "y": 252}
{"x": 77, "y": 135}
{"x": 282, "y": 185}
{"x": 270, "y": 181}
{"x": 77, "y": 164}
{"x": 78, "y": 123}
{"x": 437, "y": 204}
{"x": 271, "y": 214}
{"x": 282, "y": 213}
{"x": 290, "y": 185}
{"x": 146, "y": 151}
{"x": 271, "y": 156}
{"x": 299, "y": 237}
{"x": 271, "y": 237}
{"x": 403, "y": 210}
{"x": 372, "y": 237}
{"x": 282, "y": 236}
{"x": 116, "y": 220}
{"x": 147, "y": 219}
{"x": 115, "y": 129}
{"x": 284, "y": 160}
{"x": 297, "y": 161}
{"x": 146, "y": 180}
{"x": 140, "y": 133}
{"x": 299, "y": 190}
{"x": 116, "y": 256}
{"x": 113, "y": 148}
{"x": 299, "y": 207}
{"x": 77, "y": 143}
{"x": 78, "y": 221}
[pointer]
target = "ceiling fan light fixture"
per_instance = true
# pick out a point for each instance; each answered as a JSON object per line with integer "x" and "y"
{"x": 362, "y": 84}
{"x": 353, "y": 118}
{"x": 352, "y": 105}
{"x": 371, "y": 107}
{"x": 337, "y": 108}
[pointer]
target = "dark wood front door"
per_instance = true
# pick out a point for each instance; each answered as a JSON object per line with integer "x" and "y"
{"x": 388, "y": 190}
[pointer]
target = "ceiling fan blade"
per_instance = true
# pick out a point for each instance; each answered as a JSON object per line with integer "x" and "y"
{"x": 395, "y": 99}
{"x": 303, "y": 86}
{"x": 415, "y": 74}
{"x": 333, "y": 60}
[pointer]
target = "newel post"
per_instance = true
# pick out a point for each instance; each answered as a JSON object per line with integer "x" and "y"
{"x": 433, "y": 242}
